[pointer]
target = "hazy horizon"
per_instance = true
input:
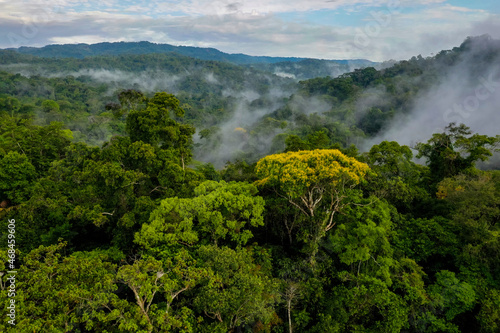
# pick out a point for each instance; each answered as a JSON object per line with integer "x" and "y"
{"x": 341, "y": 29}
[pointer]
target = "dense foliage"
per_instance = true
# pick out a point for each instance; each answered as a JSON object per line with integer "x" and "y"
{"x": 136, "y": 235}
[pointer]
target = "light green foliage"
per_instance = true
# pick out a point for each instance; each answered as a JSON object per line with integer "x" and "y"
{"x": 451, "y": 296}
{"x": 241, "y": 292}
{"x": 57, "y": 293}
{"x": 171, "y": 223}
{"x": 219, "y": 211}
{"x": 362, "y": 241}
{"x": 397, "y": 176}
{"x": 167, "y": 279}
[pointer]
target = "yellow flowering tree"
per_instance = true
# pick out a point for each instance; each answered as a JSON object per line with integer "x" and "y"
{"x": 317, "y": 182}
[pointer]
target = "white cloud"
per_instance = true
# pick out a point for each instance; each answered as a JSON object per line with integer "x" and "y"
{"x": 223, "y": 7}
{"x": 87, "y": 39}
{"x": 248, "y": 27}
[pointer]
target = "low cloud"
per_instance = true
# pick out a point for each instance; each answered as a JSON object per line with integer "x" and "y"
{"x": 468, "y": 93}
{"x": 255, "y": 28}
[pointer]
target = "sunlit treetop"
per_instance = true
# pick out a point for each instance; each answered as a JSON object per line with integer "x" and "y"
{"x": 317, "y": 182}
{"x": 296, "y": 172}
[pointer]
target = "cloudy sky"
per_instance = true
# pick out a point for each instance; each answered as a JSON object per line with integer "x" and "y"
{"x": 328, "y": 29}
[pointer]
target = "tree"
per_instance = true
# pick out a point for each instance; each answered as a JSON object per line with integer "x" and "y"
{"x": 475, "y": 211}
{"x": 41, "y": 144}
{"x": 60, "y": 293}
{"x": 291, "y": 294}
{"x": 317, "y": 182}
{"x": 164, "y": 280}
{"x": 450, "y": 296}
{"x": 364, "y": 304}
{"x": 455, "y": 151}
{"x": 155, "y": 125}
{"x": 50, "y": 106}
{"x": 131, "y": 99}
{"x": 397, "y": 176}
{"x": 362, "y": 241}
{"x": 241, "y": 293}
{"x": 316, "y": 140}
{"x": 219, "y": 211}
{"x": 373, "y": 121}
{"x": 489, "y": 316}
{"x": 391, "y": 160}
{"x": 10, "y": 104}
{"x": 295, "y": 143}
{"x": 16, "y": 177}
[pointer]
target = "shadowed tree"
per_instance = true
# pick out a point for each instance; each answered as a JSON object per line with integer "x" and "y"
{"x": 455, "y": 151}
{"x": 156, "y": 125}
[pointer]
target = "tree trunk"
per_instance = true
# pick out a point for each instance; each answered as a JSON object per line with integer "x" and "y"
{"x": 289, "y": 308}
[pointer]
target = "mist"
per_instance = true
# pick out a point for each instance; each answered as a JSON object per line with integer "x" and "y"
{"x": 468, "y": 93}
{"x": 146, "y": 81}
{"x": 240, "y": 137}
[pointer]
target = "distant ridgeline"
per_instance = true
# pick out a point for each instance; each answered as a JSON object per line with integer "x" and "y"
{"x": 299, "y": 68}
{"x": 121, "y": 48}
{"x": 334, "y": 102}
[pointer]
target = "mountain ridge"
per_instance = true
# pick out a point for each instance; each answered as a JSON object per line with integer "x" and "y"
{"x": 82, "y": 50}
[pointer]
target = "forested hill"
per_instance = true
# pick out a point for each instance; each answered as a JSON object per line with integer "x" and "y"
{"x": 245, "y": 112}
{"x": 113, "y": 221}
{"x": 82, "y": 87}
{"x": 406, "y": 102}
{"x": 312, "y": 68}
{"x": 127, "y": 48}
{"x": 301, "y": 70}
{"x": 418, "y": 95}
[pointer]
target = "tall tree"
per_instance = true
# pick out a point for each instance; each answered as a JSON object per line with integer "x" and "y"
{"x": 157, "y": 126}
{"x": 241, "y": 293}
{"x": 455, "y": 151}
{"x": 317, "y": 182}
{"x": 219, "y": 212}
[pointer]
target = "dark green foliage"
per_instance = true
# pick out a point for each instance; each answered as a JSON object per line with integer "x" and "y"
{"x": 16, "y": 178}
{"x": 312, "y": 68}
{"x": 135, "y": 235}
{"x": 455, "y": 151}
{"x": 124, "y": 48}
